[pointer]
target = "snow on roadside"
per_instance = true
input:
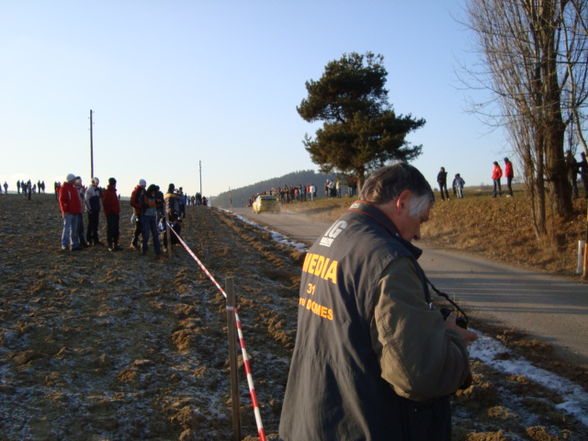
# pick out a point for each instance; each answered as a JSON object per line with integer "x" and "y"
{"x": 277, "y": 237}
{"x": 490, "y": 352}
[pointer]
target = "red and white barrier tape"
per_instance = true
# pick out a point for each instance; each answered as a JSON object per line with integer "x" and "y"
{"x": 254, "y": 403}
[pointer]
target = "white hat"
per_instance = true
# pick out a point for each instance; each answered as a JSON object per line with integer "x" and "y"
{"x": 142, "y": 182}
{"x": 96, "y": 180}
{"x": 70, "y": 177}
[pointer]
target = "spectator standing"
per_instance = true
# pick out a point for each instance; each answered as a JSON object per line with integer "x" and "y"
{"x": 5, "y": 187}
{"x": 583, "y": 169}
{"x": 572, "y": 172}
{"x": 509, "y": 173}
{"x": 172, "y": 214}
{"x": 374, "y": 359}
{"x": 496, "y": 175}
{"x": 159, "y": 205}
{"x": 182, "y": 199}
{"x": 92, "y": 201}
{"x": 148, "y": 222}
{"x": 442, "y": 181}
{"x": 18, "y": 186}
{"x": 458, "y": 184}
{"x": 137, "y": 202}
{"x": 111, "y": 206}
{"x": 70, "y": 206}
{"x": 81, "y": 193}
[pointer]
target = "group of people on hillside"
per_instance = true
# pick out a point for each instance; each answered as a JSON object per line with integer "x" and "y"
{"x": 25, "y": 187}
{"x": 497, "y": 175}
{"x": 457, "y": 184}
{"x": 290, "y": 193}
{"x": 151, "y": 210}
{"x": 29, "y": 187}
{"x": 74, "y": 199}
{"x": 302, "y": 193}
{"x": 336, "y": 189}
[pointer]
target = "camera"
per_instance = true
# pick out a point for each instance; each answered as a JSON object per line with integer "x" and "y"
{"x": 459, "y": 321}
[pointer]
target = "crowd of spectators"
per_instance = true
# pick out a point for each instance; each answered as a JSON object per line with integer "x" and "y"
{"x": 27, "y": 188}
{"x": 152, "y": 212}
{"x": 302, "y": 193}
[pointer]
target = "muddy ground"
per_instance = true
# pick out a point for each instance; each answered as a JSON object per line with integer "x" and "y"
{"x": 98, "y": 346}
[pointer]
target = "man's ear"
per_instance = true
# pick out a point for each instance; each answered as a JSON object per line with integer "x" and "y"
{"x": 401, "y": 202}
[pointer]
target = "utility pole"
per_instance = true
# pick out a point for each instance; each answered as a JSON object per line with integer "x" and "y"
{"x": 91, "y": 148}
{"x": 200, "y": 168}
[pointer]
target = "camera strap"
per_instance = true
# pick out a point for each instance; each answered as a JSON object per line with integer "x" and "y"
{"x": 446, "y": 296}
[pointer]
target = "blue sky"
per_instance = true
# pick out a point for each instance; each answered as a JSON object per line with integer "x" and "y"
{"x": 172, "y": 83}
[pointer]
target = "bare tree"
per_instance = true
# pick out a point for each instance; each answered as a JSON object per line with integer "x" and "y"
{"x": 536, "y": 53}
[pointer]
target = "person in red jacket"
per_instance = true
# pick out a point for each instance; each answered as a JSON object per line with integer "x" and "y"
{"x": 509, "y": 173}
{"x": 71, "y": 207}
{"x": 496, "y": 175}
{"x": 111, "y": 206}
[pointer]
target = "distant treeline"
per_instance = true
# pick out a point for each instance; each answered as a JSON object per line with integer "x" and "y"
{"x": 239, "y": 197}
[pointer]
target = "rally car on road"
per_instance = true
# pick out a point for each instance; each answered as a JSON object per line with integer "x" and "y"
{"x": 266, "y": 203}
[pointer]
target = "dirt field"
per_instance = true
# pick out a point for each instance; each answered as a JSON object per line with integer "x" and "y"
{"x": 103, "y": 346}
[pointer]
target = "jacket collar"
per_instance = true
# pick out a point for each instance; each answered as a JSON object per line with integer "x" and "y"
{"x": 370, "y": 210}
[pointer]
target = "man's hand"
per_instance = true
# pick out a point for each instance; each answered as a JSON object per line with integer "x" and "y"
{"x": 467, "y": 335}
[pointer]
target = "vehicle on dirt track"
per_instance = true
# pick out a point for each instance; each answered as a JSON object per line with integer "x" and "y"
{"x": 266, "y": 203}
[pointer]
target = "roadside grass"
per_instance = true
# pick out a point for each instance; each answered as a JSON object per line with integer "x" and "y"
{"x": 498, "y": 228}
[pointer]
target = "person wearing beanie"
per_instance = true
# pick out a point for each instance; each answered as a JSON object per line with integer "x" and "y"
{"x": 70, "y": 207}
{"x": 137, "y": 202}
{"x": 111, "y": 206}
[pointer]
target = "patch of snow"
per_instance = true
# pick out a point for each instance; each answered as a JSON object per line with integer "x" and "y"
{"x": 277, "y": 237}
{"x": 575, "y": 399}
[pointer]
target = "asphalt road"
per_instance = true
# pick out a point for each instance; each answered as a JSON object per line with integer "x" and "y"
{"x": 551, "y": 308}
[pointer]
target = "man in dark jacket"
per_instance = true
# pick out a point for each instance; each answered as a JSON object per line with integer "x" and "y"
{"x": 172, "y": 215}
{"x": 442, "y": 181}
{"x": 136, "y": 201}
{"x": 92, "y": 201}
{"x": 374, "y": 359}
{"x": 111, "y": 206}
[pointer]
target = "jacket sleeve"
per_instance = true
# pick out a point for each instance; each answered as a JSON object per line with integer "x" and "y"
{"x": 89, "y": 194}
{"x": 418, "y": 356}
{"x": 64, "y": 200}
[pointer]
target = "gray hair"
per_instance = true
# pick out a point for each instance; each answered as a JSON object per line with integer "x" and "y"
{"x": 386, "y": 184}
